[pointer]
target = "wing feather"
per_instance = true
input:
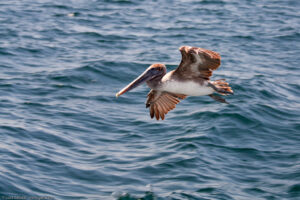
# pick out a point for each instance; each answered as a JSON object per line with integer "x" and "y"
{"x": 156, "y": 111}
{"x": 160, "y": 103}
{"x": 197, "y": 62}
{"x": 151, "y": 111}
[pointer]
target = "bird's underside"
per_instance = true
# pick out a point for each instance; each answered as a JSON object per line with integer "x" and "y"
{"x": 190, "y": 78}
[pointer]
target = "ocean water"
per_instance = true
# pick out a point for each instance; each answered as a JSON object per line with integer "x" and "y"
{"x": 64, "y": 135}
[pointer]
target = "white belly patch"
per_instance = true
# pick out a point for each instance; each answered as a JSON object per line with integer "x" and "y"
{"x": 189, "y": 88}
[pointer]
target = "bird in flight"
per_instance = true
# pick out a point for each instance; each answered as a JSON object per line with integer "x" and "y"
{"x": 190, "y": 78}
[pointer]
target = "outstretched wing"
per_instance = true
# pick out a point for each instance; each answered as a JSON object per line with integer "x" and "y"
{"x": 197, "y": 63}
{"x": 160, "y": 103}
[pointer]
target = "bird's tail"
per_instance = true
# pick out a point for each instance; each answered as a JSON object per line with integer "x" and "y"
{"x": 222, "y": 87}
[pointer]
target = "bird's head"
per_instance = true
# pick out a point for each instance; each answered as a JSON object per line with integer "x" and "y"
{"x": 151, "y": 73}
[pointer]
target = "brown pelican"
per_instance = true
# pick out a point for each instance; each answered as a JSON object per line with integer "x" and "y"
{"x": 190, "y": 78}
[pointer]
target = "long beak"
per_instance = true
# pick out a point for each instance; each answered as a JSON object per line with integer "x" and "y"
{"x": 147, "y": 75}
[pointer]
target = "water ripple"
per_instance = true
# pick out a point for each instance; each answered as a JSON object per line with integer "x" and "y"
{"x": 65, "y": 135}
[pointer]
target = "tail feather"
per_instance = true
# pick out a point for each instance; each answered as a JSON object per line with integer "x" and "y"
{"x": 222, "y": 87}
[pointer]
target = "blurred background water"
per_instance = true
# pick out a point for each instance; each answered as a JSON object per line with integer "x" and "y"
{"x": 64, "y": 135}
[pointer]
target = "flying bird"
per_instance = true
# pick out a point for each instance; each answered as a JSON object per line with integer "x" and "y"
{"x": 190, "y": 78}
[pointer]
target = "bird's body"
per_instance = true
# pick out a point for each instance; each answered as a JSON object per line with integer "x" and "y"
{"x": 171, "y": 84}
{"x": 191, "y": 78}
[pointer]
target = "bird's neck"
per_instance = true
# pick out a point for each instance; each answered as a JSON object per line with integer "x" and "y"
{"x": 155, "y": 82}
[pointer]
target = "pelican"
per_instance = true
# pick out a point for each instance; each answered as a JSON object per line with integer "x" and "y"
{"x": 190, "y": 78}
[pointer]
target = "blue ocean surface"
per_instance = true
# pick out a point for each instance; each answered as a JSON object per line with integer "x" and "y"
{"x": 64, "y": 134}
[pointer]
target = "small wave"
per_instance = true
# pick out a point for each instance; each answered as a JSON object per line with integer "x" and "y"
{"x": 128, "y": 196}
{"x": 121, "y": 1}
{"x": 59, "y": 6}
{"x": 5, "y": 52}
{"x": 289, "y": 37}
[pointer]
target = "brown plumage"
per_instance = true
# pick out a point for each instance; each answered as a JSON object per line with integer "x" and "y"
{"x": 197, "y": 63}
{"x": 160, "y": 103}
